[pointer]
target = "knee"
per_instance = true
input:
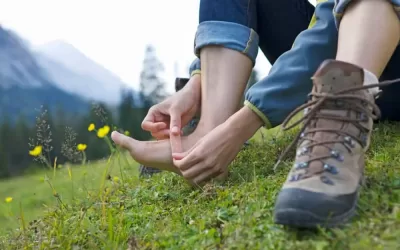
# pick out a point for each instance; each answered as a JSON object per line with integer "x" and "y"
{"x": 342, "y": 5}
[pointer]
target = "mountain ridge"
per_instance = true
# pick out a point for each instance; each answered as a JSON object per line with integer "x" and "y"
{"x": 76, "y": 61}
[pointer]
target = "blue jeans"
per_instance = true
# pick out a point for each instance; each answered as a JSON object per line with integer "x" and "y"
{"x": 243, "y": 25}
{"x": 246, "y": 25}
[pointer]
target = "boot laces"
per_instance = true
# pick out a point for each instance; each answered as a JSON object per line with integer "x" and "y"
{"x": 342, "y": 100}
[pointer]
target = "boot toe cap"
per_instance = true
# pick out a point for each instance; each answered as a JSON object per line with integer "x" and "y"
{"x": 303, "y": 208}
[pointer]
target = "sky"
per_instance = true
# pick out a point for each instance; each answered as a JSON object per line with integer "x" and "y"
{"x": 115, "y": 33}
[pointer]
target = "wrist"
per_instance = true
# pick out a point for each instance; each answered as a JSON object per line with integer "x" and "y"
{"x": 244, "y": 123}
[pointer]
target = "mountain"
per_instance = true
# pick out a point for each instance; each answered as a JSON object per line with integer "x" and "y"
{"x": 75, "y": 73}
{"x": 25, "y": 85}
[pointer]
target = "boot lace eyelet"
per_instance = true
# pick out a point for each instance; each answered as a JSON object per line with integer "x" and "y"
{"x": 302, "y": 151}
{"x": 295, "y": 177}
{"x": 301, "y": 165}
{"x": 364, "y": 139}
{"x": 349, "y": 141}
{"x": 326, "y": 180}
{"x": 364, "y": 117}
{"x": 336, "y": 155}
{"x": 330, "y": 169}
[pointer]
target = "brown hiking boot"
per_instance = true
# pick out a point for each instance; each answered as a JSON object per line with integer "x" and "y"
{"x": 322, "y": 187}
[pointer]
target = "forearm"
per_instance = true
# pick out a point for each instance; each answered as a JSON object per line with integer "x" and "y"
{"x": 244, "y": 124}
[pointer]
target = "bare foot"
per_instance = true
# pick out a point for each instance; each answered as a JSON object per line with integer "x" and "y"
{"x": 156, "y": 154}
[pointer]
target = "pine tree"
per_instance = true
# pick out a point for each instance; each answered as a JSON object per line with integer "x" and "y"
{"x": 152, "y": 87}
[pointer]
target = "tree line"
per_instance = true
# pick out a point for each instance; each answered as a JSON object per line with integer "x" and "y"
{"x": 59, "y": 133}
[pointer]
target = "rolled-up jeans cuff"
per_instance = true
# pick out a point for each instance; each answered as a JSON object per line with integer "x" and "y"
{"x": 341, "y": 5}
{"x": 195, "y": 67}
{"x": 229, "y": 35}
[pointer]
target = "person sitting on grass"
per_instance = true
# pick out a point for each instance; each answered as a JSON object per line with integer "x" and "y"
{"x": 220, "y": 93}
{"x": 322, "y": 187}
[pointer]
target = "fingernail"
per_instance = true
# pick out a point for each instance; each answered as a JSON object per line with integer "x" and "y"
{"x": 175, "y": 130}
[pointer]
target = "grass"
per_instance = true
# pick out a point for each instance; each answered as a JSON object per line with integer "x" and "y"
{"x": 163, "y": 212}
{"x": 35, "y": 195}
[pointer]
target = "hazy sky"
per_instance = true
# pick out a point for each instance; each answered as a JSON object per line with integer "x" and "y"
{"x": 114, "y": 33}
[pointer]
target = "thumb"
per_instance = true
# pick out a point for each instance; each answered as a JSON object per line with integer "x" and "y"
{"x": 175, "y": 121}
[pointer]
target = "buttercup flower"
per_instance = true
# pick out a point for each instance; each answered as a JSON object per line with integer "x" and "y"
{"x": 36, "y": 151}
{"x": 8, "y": 199}
{"x": 102, "y": 132}
{"x": 81, "y": 147}
{"x": 115, "y": 179}
{"x": 91, "y": 127}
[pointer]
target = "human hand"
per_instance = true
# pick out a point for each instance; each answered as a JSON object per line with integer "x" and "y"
{"x": 210, "y": 156}
{"x": 169, "y": 116}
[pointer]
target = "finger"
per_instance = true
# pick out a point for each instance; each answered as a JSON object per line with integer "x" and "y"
{"x": 180, "y": 156}
{"x": 176, "y": 143}
{"x": 189, "y": 160}
{"x": 194, "y": 171}
{"x": 148, "y": 121}
{"x": 175, "y": 121}
{"x": 161, "y": 135}
{"x": 152, "y": 126}
{"x": 206, "y": 176}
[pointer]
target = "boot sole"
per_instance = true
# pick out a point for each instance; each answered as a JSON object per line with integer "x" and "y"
{"x": 305, "y": 219}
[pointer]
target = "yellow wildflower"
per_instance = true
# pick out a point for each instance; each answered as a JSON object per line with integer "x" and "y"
{"x": 102, "y": 132}
{"x": 115, "y": 179}
{"x": 36, "y": 151}
{"x": 81, "y": 147}
{"x": 8, "y": 199}
{"x": 127, "y": 133}
{"x": 91, "y": 127}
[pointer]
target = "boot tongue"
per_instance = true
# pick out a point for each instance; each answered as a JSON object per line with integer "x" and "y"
{"x": 332, "y": 77}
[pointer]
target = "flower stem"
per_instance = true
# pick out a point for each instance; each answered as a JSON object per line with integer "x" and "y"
{"x": 107, "y": 139}
{"x": 83, "y": 158}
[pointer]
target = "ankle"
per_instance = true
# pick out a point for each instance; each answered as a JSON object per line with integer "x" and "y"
{"x": 204, "y": 127}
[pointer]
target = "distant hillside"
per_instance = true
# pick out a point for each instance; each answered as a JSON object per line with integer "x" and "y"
{"x": 25, "y": 85}
{"x": 76, "y": 73}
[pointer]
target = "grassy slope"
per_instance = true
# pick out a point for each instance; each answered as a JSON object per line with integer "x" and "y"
{"x": 35, "y": 195}
{"x": 164, "y": 212}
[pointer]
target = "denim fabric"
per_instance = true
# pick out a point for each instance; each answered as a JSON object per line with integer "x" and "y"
{"x": 194, "y": 67}
{"x": 341, "y": 5}
{"x": 234, "y": 24}
{"x": 230, "y": 35}
{"x": 289, "y": 80}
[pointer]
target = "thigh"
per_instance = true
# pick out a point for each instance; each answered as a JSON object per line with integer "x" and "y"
{"x": 279, "y": 23}
{"x": 242, "y": 12}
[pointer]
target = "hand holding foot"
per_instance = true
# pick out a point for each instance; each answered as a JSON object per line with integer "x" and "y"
{"x": 211, "y": 155}
{"x": 175, "y": 112}
{"x": 157, "y": 154}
